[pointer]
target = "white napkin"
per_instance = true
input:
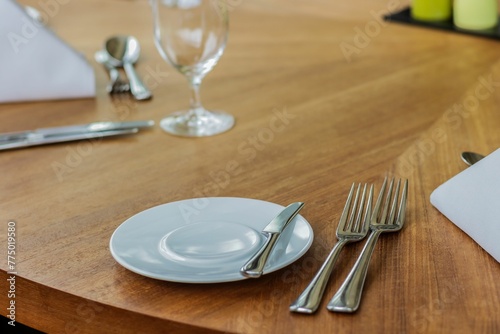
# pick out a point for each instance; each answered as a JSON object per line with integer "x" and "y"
{"x": 35, "y": 64}
{"x": 471, "y": 200}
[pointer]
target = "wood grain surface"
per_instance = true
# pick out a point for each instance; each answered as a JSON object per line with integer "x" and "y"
{"x": 324, "y": 94}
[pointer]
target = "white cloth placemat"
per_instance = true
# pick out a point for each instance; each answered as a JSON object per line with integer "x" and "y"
{"x": 35, "y": 64}
{"x": 471, "y": 200}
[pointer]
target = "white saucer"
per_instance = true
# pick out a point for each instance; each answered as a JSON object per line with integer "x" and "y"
{"x": 204, "y": 240}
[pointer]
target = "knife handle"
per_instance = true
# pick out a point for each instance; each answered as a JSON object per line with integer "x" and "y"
{"x": 255, "y": 266}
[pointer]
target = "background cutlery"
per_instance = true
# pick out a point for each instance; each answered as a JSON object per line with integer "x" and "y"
{"x": 123, "y": 52}
{"x": 116, "y": 85}
{"x": 74, "y": 129}
{"x": 36, "y": 140}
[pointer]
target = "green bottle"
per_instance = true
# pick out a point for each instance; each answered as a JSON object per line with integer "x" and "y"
{"x": 431, "y": 10}
{"x": 475, "y": 14}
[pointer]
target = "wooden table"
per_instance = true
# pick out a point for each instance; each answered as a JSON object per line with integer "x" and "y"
{"x": 359, "y": 99}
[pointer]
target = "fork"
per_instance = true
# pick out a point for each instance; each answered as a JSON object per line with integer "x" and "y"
{"x": 348, "y": 297}
{"x": 116, "y": 85}
{"x": 351, "y": 228}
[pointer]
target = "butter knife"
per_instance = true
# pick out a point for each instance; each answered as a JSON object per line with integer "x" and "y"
{"x": 37, "y": 140}
{"x": 254, "y": 267}
{"x": 74, "y": 129}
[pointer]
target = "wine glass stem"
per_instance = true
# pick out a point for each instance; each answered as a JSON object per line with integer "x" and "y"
{"x": 195, "y": 107}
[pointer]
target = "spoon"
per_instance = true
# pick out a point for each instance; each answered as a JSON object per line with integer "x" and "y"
{"x": 470, "y": 158}
{"x": 123, "y": 52}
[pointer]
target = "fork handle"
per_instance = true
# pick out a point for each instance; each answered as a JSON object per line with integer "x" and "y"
{"x": 310, "y": 298}
{"x": 114, "y": 75}
{"x": 348, "y": 297}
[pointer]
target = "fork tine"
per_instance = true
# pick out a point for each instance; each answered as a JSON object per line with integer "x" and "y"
{"x": 387, "y": 201}
{"x": 366, "y": 223}
{"x": 376, "y": 210}
{"x": 400, "y": 220}
{"x": 393, "y": 209}
{"x": 345, "y": 212}
{"x": 353, "y": 210}
{"x": 359, "y": 215}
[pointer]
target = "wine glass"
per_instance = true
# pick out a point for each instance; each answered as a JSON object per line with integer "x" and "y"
{"x": 191, "y": 36}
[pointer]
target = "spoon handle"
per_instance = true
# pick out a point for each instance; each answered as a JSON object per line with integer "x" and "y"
{"x": 137, "y": 87}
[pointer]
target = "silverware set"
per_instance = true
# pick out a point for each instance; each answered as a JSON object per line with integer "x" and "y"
{"x": 123, "y": 52}
{"x": 355, "y": 223}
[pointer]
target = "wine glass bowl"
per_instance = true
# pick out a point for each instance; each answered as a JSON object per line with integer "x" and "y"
{"x": 191, "y": 35}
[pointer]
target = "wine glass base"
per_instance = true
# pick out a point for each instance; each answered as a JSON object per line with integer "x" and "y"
{"x": 209, "y": 123}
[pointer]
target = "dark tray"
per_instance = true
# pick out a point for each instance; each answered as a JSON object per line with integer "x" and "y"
{"x": 404, "y": 16}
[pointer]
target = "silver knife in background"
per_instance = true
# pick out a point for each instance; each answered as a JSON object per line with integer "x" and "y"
{"x": 83, "y": 128}
{"x": 44, "y": 136}
{"x": 254, "y": 267}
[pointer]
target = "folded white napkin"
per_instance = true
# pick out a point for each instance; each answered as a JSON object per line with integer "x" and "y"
{"x": 35, "y": 64}
{"x": 471, "y": 200}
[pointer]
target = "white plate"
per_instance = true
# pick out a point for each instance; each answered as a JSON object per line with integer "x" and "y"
{"x": 204, "y": 240}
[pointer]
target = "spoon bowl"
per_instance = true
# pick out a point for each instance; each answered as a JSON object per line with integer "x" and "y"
{"x": 471, "y": 158}
{"x": 124, "y": 51}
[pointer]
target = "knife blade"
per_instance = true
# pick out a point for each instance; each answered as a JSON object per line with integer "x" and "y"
{"x": 255, "y": 266}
